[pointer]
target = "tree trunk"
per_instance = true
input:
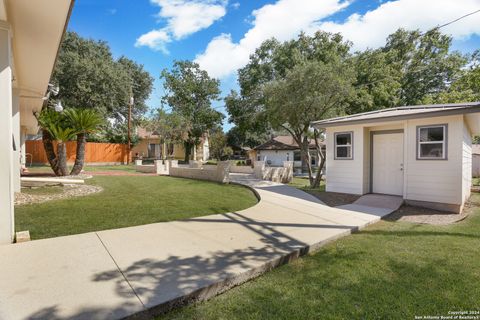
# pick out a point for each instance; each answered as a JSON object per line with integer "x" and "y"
{"x": 62, "y": 158}
{"x": 80, "y": 154}
{"x": 50, "y": 152}
{"x": 308, "y": 158}
{"x": 188, "y": 150}
{"x": 322, "y": 158}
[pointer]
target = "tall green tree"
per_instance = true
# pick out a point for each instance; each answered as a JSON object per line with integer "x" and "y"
{"x": 271, "y": 61}
{"x": 189, "y": 91}
{"x": 89, "y": 76}
{"x": 308, "y": 92}
{"x": 426, "y": 63}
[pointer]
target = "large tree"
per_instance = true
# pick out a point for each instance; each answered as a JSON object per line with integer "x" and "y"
{"x": 269, "y": 62}
{"x": 425, "y": 61}
{"x": 90, "y": 78}
{"x": 308, "y": 92}
{"x": 189, "y": 91}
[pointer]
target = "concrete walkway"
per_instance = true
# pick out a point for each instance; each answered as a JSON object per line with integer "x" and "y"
{"x": 116, "y": 273}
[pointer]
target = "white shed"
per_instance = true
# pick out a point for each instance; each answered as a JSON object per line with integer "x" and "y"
{"x": 422, "y": 153}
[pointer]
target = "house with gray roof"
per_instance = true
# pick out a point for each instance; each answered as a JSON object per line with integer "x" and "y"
{"x": 421, "y": 153}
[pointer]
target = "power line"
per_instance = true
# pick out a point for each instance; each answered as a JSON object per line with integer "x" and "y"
{"x": 457, "y": 19}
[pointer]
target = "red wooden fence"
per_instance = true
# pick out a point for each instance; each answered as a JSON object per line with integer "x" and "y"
{"x": 94, "y": 152}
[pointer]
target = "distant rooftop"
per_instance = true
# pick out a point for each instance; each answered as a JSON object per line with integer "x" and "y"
{"x": 283, "y": 143}
{"x": 401, "y": 113}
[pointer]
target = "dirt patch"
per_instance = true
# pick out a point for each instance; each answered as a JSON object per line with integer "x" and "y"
{"x": 69, "y": 191}
{"x": 334, "y": 199}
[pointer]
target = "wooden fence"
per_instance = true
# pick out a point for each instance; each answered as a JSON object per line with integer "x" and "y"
{"x": 100, "y": 153}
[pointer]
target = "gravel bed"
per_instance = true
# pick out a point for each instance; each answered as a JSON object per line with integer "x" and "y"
{"x": 69, "y": 191}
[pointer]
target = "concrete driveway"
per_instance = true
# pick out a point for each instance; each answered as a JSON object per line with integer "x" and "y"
{"x": 116, "y": 273}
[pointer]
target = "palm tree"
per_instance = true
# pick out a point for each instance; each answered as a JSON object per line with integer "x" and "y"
{"x": 54, "y": 125}
{"x": 82, "y": 121}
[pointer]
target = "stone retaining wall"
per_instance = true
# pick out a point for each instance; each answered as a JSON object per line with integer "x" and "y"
{"x": 276, "y": 174}
{"x": 218, "y": 174}
{"x": 241, "y": 169}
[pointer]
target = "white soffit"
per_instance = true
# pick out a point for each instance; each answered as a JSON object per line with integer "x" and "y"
{"x": 37, "y": 28}
{"x": 3, "y": 11}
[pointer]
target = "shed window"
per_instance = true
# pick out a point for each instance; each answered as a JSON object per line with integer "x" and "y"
{"x": 432, "y": 142}
{"x": 344, "y": 145}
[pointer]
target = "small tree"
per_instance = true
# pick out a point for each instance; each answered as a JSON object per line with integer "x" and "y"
{"x": 190, "y": 91}
{"x": 169, "y": 126}
{"x": 83, "y": 122}
{"x": 218, "y": 146}
{"x": 56, "y": 128}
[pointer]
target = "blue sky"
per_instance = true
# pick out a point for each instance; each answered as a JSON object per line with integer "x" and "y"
{"x": 220, "y": 34}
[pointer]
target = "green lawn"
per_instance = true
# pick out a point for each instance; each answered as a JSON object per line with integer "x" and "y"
{"x": 128, "y": 201}
{"x": 304, "y": 184}
{"x": 390, "y": 270}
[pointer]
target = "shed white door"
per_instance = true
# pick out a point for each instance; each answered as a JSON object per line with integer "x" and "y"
{"x": 387, "y": 163}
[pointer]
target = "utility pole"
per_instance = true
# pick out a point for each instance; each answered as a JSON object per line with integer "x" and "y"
{"x": 130, "y": 105}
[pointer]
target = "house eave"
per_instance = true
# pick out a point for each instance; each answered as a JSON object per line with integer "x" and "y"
{"x": 430, "y": 114}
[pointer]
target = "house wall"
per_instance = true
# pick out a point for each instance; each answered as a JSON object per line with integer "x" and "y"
{"x": 476, "y": 165}
{"x": 435, "y": 180}
{"x": 467, "y": 162}
{"x": 346, "y": 176}
{"x": 277, "y": 157}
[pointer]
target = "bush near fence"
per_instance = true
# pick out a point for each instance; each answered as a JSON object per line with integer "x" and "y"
{"x": 95, "y": 153}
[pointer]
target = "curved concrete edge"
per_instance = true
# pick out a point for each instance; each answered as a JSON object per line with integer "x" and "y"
{"x": 141, "y": 271}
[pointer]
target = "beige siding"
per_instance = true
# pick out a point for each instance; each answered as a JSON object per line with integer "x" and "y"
{"x": 435, "y": 180}
{"x": 467, "y": 162}
{"x": 346, "y": 176}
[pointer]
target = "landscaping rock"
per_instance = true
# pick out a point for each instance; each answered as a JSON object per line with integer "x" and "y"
{"x": 69, "y": 191}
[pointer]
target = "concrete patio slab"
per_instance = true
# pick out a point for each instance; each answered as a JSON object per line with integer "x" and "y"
{"x": 376, "y": 204}
{"x": 61, "y": 278}
{"x": 152, "y": 268}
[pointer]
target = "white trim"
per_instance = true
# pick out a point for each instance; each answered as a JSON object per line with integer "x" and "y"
{"x": 443, "y": 142}
{"x": 335, "y": 145}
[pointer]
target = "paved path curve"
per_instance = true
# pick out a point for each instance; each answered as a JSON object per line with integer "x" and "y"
{"x": 116, "y": 273}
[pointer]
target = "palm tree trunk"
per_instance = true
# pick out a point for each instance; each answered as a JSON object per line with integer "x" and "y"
{"x": 62, "y": 158}
{"x": 80, "y": 155}
{"x": 50, "y": 151}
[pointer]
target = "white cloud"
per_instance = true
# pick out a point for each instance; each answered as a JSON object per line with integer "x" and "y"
{"x": 184, "y": 17}
{"x": 286, "y": 18}
{"x": 372, "y": 28}
{"x": 283, "y": 20}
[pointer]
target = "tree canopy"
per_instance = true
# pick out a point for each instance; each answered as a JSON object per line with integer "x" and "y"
{"x": 90, "y": 78}
{"x": 189, "y": 92}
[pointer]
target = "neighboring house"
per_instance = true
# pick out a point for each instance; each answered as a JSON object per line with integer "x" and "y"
{"x": 421, "y": 153}
{"x": 476, "y": 160}
{"x": 283, "y": 148}
{"x": 30, "y": 36}
{"x": 151, "y": 146}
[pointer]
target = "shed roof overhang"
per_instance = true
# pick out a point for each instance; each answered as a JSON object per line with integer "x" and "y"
{"x": 37, "y": 29}
{"x": 471, "y": 111}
